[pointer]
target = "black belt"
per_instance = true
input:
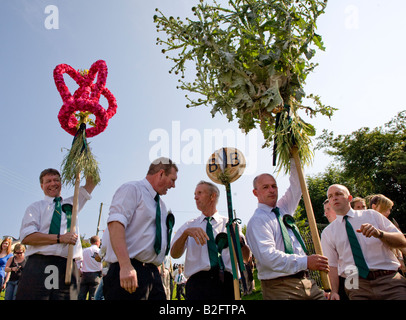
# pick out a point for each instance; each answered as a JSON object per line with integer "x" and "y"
{"x": 300, "y": 275}
{"x": 373, "y": 275}
{"x": 135, "y": 262}
{"x": 213, "y": 273}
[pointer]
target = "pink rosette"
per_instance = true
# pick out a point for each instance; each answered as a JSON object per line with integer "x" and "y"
{"x": 85, "y": 98}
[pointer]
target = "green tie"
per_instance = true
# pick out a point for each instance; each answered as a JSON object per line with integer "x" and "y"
{"x": 158, "y": 234}
{"x": 211, "y": 244}
{"x": 289, "y": 221}
{"x": 55, "y": 226}
{"x": 359, "y": 259}
{"x": 285, "y": 235}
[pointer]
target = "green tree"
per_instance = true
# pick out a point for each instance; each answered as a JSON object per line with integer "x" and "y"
{"x": 317, "y": 186}
{"x": 252, "y": 58}
{"x": 373, "y": 161}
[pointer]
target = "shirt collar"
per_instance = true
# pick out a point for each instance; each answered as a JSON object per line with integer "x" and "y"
{"x": 265, "y": 207}
{"x": 215, "y": 216}
{"x": 149, "y": 187}
{"x": 49, "y": 199}
{"x": 350, "y": 213}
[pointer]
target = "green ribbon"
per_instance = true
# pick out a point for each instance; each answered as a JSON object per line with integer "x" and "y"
{"x": 222, "y": 243}
{"x": 67, "y": 208}
{"x": 81, "y": 132}
{"x": 170, "y": 222}
{"x": 232, "y": 238}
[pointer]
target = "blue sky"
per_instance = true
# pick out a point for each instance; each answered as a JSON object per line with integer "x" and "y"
{"x": 361, "y": 73}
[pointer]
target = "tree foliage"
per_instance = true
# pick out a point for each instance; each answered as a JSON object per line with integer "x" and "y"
{"x": 368, "y": 161}
{"x": 252, "y": 58}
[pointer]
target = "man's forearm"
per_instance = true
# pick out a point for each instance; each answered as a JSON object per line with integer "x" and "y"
{"x": 39, "y": 239}
{"x": 118, "y": 242}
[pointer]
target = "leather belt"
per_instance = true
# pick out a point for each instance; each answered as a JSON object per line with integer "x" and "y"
{"x": 372, "y": 275}
{"x": 300, "y": 275}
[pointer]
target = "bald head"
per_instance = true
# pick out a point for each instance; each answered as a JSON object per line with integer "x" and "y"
{"x": 266, "y": 189}
{"x": 340, "y": 198}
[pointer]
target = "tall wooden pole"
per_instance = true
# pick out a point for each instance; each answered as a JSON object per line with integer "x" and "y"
{"x": 69, "y": 262}
{"x": 98, "y": 222}
{"x": 310, "y": 216}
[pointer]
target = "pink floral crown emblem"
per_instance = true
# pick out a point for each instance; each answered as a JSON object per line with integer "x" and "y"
{"x": 86, "y": 98}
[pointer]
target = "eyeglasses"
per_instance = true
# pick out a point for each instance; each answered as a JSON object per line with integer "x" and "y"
{"x": 19, "y": 252}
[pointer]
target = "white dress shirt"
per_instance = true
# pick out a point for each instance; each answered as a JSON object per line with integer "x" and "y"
{"x": 180, "y": 278}
{"x": 197, "y": 255}
{"x": 336, "y": 246}
{"x": 89, "y": 263}
{"x": 38, "y": 218}
{"x": 265, "y": 238}
{"x": 134, "y": 206}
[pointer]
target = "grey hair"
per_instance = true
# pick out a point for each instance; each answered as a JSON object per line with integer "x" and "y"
{"x": 254, "y": 182}
{"x": 212, "y": 187}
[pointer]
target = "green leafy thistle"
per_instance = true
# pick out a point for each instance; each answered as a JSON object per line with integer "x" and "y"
{"x": 252, "y": 58}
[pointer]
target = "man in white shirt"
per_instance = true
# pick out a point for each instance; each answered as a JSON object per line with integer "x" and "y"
{"x": 206, "y": 280}
{"x": 135, "y": 250}
{"x": 283, "y": 274}
{"x": 180, "y": 281}
{"x": 375, "y": 235}
{"x": 91, "y": 270}
{"x": 47, "y": 246}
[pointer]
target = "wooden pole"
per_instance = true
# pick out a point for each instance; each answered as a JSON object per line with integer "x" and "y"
{"x": 310, "y": 216}
{"x": 68, "y": 274}
{"x": 98, "y": 222}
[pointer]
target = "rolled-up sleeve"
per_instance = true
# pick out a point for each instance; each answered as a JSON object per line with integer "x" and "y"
{"x": 123, "y": 204}
{"x": 31, "y": 222}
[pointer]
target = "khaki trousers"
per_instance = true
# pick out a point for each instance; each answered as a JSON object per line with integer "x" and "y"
{"x": 291, "y": 288}
{"x": 388, "y": 287}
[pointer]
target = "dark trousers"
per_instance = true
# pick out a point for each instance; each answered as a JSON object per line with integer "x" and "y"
{"x": 88, "y": 284}
{"x": 43, "y": 278}
{"x": 207, "y": 285}
{"x": 149, "y": 283}
{"x": 180, "y": 290}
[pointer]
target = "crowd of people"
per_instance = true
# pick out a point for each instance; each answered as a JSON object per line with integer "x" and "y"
{"x": 362, "y": 249}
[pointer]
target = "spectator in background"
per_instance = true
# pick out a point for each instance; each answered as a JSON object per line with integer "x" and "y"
{"x": 91, "y": 270}
{"x": 381, "y": 204}
{"x": 5, "y": 254}
{"x": 328, "y": 212}
{"x": 358, "y": 203}
{"x": 384, "y": 206}
{"x": 14, "y": 267}
{"x": 180, "y": 281}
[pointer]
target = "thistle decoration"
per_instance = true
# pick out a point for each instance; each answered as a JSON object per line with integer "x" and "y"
{"x": 251, "y": 61}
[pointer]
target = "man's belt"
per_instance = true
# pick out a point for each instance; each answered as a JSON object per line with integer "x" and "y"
{"x": 372, "y": 275}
